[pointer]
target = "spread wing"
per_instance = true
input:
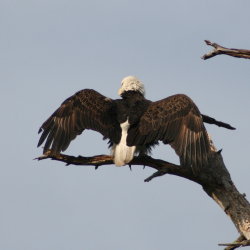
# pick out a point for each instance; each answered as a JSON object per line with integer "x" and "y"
{"x": 177, "y": 121}
{"x": 87, "y": 109}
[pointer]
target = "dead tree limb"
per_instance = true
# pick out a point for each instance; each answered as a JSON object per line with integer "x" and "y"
{"x": 240, "y": 242}
{"x": 215, "y": 180}
{"x": 219, "y": 50}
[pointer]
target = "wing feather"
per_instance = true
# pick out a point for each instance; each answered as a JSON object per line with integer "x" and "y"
{"x": 87, "y": 109}
{"x": 177, "y": 121}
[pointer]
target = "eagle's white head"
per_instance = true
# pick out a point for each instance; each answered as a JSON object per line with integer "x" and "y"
{"x": 131, "y": 83}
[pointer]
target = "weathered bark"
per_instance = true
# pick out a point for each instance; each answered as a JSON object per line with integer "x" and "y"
{"x": 219, "y": 50}
{"x": 215, "y": 180}
{"x": 231, "y": 201}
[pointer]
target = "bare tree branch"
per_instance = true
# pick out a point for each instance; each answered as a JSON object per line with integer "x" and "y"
{"x": 219, "y": 50}
{"x": 215, "y": 180}
{"x": 240, "y": 242}
{"x": 163, "y": 167}
{"x": 239, "y": 239}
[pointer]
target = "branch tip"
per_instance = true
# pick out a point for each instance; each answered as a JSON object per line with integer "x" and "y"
{"x": 219, "y": 151}
{"x": 208, "y": 42}
{"x": 239, "y": 242}
{"x": 236, "y": 244}
{"x": 156, "y": 174}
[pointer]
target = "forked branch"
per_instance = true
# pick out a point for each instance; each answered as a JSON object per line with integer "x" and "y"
{"x": 219, "y": 50}
{"x": 238, "y": 243}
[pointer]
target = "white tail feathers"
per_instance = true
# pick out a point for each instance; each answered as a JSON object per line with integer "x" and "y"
{"x": 122, "y": 153}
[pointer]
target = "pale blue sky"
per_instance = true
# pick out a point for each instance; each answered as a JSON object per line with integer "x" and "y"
{"x": 51, "y": 49}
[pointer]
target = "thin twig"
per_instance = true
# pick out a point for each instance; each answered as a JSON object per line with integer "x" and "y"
{"x": 235, "y": 245}
{"x": 239, "y": 239}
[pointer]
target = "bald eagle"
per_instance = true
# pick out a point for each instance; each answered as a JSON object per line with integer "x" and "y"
{"x": 132, "y": 124}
